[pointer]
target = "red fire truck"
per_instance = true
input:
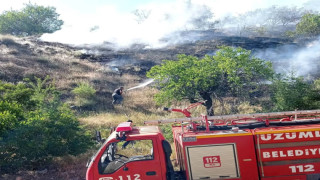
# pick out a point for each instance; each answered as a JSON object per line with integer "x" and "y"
{"x": 277, "y": 146}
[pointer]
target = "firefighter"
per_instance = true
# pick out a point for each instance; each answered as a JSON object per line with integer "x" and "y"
{"x": 117, "y": 95}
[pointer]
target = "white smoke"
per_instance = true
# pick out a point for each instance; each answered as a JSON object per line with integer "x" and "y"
{"x": 95, "y": 21}
{"x": 306, "y": 60}
{"x": 110, "y": 24}
{"x": 303, "y": 61}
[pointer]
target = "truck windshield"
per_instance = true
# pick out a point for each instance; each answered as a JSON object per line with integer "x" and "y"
{"x": 118, "y": 154}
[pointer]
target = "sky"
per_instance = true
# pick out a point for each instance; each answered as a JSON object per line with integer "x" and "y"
{"x": 115, "y": 22}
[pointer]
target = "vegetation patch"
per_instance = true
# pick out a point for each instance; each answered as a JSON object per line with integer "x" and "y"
{"x": 36, "y": 126}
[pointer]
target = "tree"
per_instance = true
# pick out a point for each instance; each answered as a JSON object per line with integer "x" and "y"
{"x": 31, "y": 20}
{"x": 268, "y": 19}
{"x": 290, "y": 15}
{"x": 141, "y": 15}
{"x": 291, "y": 93}
{"x": 229, "y": 72}
{"x": 202, "y": 17}
{"x": 309, "y": 25}
{"x": 283, "y": 15}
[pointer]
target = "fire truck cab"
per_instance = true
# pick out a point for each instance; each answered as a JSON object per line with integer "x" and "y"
{"x": 132, "y": 153}
{"x": 235, "y": 147}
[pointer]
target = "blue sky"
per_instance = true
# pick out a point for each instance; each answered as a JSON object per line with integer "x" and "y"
{"x": 117, "y": 23}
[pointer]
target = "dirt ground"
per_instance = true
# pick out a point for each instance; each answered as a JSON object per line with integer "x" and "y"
{"x": 66, "y": 168}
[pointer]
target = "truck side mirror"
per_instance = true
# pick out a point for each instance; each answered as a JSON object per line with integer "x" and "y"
{"x": 98, "y": 137}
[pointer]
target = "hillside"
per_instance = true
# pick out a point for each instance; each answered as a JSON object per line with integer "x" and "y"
{"x": 28, "y": 58}
{"x": 104, "y": 68}
{"x": 107, "y": 68}
{"x": 144, "y": 55}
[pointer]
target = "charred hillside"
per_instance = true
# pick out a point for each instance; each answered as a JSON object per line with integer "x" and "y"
{"x": 139, "y": 58}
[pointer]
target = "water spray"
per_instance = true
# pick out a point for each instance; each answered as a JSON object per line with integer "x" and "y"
{"x": 141, "y": 85}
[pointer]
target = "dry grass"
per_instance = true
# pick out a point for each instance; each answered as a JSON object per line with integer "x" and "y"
{"x": 246, "y": 108}
{"x": 31, "y": 55}
{"x": 235, "y": 106}
{"x": 139, "y": 106}
{"x": 8, "y": 39}
{"x": 22, "y": 57}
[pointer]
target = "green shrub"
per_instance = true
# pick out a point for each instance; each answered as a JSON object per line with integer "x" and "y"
{"x": 31, "y": 146}
{"x": 291, "y": 93}
{"x": 167, "y": 132}
{"x": 11, "y": 114}
{"x": 33, "y": 136}
{"x": 17, "y": 93}
{"x": 14, "y": 100}
{"x": 84, "y": 94}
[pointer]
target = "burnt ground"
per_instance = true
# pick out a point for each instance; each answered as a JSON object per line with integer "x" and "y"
{"x": 127, "y": 60}
{"x": 27, "y": 53}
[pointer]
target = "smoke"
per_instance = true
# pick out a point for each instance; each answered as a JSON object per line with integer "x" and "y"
{"x": 312, "y": 4}
{"x": 303, "y": 61}
{"x": 111, "y": 23}
{"x": 306, "y": 60}
{"x": 96, "y": 21}
{"x": 121, "y": 62}
{"x": 108, "y": 24}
